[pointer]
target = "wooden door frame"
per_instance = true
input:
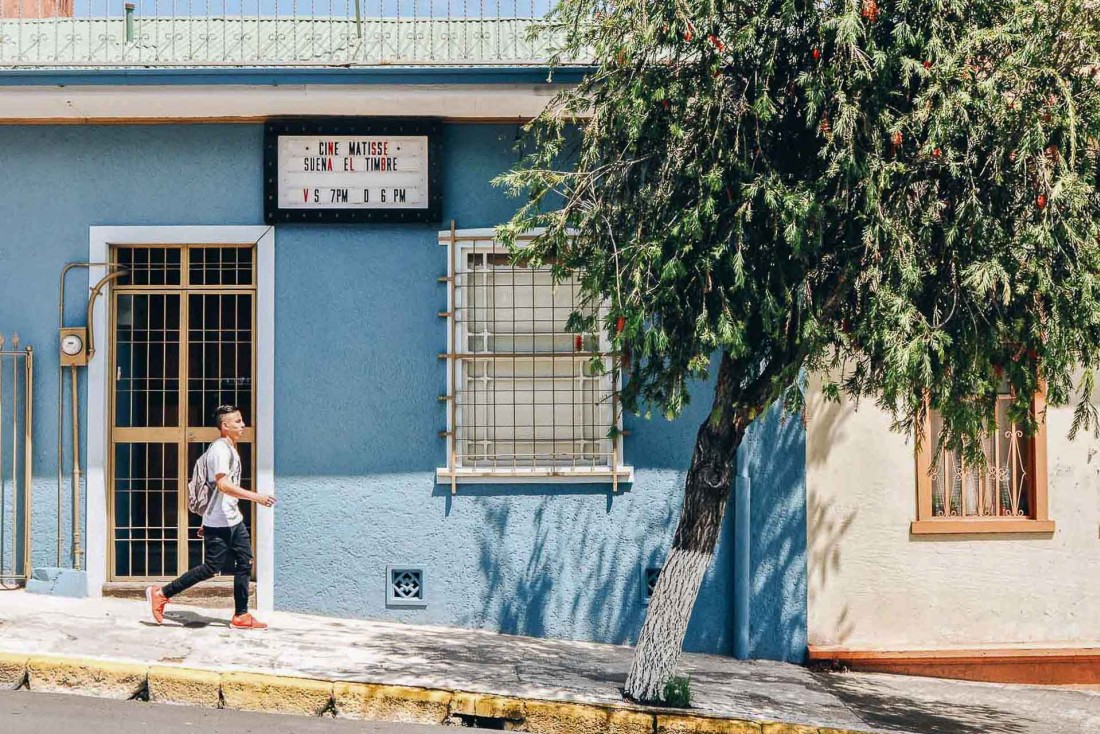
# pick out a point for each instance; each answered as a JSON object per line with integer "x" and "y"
{"x": 100, "y": 241}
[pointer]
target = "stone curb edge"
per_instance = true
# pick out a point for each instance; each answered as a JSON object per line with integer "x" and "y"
{"x": 268, "y": 693}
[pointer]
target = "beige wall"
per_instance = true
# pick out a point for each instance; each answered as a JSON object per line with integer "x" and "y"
{"x": 872, "y": 584}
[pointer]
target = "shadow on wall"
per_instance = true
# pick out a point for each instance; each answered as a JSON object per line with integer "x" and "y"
{"x": 826, "y": 526}
{"x": 775, "y": 450}
{"x": 572, "y": 566}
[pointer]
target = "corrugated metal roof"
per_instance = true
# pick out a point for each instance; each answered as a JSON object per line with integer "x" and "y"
{"x": 264, "y": 41}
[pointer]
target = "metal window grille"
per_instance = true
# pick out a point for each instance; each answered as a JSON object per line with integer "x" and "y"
{"x": 1003, "y": 488}
{"x": 527, "y": 397}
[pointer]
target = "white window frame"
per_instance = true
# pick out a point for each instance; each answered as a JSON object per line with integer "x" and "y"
{"x": 458, "y": 242}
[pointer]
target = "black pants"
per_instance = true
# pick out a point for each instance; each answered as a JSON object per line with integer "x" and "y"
{"x": 219, "y": 546}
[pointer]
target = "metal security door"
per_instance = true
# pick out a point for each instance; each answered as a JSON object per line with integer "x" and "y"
{"x": 183, "y": 342}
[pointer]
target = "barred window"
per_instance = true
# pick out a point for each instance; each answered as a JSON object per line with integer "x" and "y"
{"x": 527, "y": 399}
{"x": 1008, "y": 494}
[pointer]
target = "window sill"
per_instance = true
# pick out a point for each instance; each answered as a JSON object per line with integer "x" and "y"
{"x": 982, "y": 526}
{"x": 564, "y": 475}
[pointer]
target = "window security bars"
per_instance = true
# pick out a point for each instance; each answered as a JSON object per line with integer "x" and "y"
{"x": 106, "y": 33}
{"x": 1002, "y": 489}
{"x": 526, "y": 397}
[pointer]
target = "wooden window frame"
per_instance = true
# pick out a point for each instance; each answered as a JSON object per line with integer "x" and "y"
{"x": 1039, "y": 522}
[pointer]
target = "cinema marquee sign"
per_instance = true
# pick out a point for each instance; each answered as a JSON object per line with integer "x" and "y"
{"x": 331, "y": 170}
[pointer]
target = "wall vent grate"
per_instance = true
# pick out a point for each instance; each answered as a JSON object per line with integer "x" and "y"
{"x": 649, "y": 582}
{"x": 405, "y": 586}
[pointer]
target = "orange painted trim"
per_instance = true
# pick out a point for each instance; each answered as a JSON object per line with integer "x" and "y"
{"x": 1037, "y": 666}
{"x": 924, "y": 465}
{"x": 1039, "y": 453}
{"x": 945, "y": 526}
{"x": 1039, "y": 522}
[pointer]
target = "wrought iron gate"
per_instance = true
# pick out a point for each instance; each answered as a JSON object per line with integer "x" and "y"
{"x": 16, "y": 439}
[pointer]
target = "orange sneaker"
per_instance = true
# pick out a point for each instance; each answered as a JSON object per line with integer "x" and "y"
{"x": 157, "y": 602}
{"x": 246, "y": 622}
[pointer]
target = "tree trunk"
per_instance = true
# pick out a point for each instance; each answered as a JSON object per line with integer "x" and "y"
{"x": 706, "y": 491}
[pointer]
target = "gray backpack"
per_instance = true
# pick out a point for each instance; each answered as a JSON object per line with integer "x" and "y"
{"x": 198, "y": 488}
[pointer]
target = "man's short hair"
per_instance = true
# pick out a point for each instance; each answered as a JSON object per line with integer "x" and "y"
{"x": 221, "y": 411}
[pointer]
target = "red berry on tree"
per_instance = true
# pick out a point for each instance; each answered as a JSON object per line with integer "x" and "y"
{"x": 927, "y": 64}
{"x": 687, "y": 35}
{"x": 578, "y": 342}
{"x": 896, "y": 138}
{"x": 817, "y": 54}
{"x": 1041, "y": 201}
{"x": 716, "y": 42}
{"x": 620, "y": 323}
{"x": 936, "y": 152}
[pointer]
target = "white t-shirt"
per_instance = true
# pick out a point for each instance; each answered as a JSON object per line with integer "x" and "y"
{"x": 222, "y": 458}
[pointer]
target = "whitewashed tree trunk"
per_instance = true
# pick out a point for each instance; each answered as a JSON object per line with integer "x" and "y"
{"x": 706, "y": 492}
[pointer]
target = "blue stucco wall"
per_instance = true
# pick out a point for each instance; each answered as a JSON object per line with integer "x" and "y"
{"x": 357, "y": 415}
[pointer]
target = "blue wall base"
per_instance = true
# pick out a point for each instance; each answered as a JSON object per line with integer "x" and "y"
{"x": 58, "y": 582}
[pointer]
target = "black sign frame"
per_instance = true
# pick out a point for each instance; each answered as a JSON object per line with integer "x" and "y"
{"x": 429, "y": 126}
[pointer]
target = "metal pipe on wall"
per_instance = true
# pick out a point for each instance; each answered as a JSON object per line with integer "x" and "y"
{"x": 14, "y": 457}
{"x": 3, "y": 493}
{"x": 77, "y": 550}
{"x": 28, "y": 456}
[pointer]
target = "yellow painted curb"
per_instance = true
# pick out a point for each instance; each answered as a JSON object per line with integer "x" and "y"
{"x": 547, "y": 717}
{"x": 402, "y": 704}
{"x": 13, "y": 669}
{"x": 489, "y": 706}
{"x": 168, "y": 684}
{"x": 680, "y": 724}
{"x": 86, "y": 676}
{"x": 779, "y": 728}
{"x": 275, "y": 693}
{"x": 391, "y": 703}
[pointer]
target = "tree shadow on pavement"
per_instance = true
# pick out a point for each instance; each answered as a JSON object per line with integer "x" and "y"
{"x": 893, "y": 710}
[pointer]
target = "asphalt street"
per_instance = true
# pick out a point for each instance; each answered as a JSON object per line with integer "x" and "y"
{"x": 26, "y": 712}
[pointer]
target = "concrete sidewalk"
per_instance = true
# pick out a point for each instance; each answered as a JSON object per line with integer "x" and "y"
{"x": 456, "y": 665}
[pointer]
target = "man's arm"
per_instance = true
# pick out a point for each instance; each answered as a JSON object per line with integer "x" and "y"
{"x": 227, "y": 487}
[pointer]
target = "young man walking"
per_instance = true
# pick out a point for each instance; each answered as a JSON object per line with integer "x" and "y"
{"x": 225, "y": 536}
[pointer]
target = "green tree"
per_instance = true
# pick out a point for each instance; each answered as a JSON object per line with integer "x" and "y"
{"x": 900, "y": 195}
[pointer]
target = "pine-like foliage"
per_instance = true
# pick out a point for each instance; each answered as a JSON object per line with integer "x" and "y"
{"x": 902, "y": 194}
